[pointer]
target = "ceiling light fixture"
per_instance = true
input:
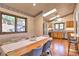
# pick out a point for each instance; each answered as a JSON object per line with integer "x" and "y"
{"x": 54, "y": 17}
{"x": 49, "y": 12}
{"x": 34, "y": 4}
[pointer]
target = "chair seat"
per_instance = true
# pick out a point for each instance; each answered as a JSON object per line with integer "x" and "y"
{"x": 74, "y": 42}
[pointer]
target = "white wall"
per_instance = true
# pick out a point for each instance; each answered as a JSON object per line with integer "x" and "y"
{"x": 30, "y": 27}
{"x": 38, "y": 25}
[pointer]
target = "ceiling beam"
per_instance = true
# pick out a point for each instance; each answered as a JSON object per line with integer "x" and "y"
{"x": 62, "y": 16}
{"x": 38, "y": 13}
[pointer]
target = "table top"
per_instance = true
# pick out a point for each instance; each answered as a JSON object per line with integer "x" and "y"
{"x": 13, "y": 46}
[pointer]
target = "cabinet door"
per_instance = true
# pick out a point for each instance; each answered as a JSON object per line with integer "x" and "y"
{"x": 56, "y": 35}
{"x": 59, "y": 35}
{"x": 70, "y": 24}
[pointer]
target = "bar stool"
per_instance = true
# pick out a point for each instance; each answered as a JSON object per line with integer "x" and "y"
{"x": 72, "y": 41}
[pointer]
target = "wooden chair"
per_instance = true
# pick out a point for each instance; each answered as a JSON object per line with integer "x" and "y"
{"x": 72, "y": 41}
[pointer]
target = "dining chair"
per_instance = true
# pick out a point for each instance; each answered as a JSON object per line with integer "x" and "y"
{"x": 72, "y": 41}
{"x": 35, "y": 52}
{"x": 46, "y": 48}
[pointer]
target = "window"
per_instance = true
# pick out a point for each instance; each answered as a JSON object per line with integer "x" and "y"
{"x": 20, "y": 25}
{"x": 59, "y": 26}
{"x": 56, "y": 26}
{"x": 12, "y": 24}
{"x": 8, "y": 23}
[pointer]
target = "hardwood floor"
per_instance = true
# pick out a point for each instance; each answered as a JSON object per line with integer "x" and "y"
{"x": 59, "y": 47}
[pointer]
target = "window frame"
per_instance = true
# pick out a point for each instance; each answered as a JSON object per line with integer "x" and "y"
{"x": 2, "y": 13}
{"x": 16, "y": 25}
{"x": 63, "y": 26}
{"x": 59, "y": 26}
{"x": 55, "y": 26}
{"x": 2, "y": 23}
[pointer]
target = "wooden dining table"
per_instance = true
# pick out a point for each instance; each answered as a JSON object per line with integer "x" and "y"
{"x": 23, "y": 47}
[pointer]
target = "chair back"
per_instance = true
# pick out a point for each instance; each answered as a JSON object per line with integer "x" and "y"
{"x": 46, "y": 45}
{"x": 37, "y": 51}
{"x": 71, "y": 37}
